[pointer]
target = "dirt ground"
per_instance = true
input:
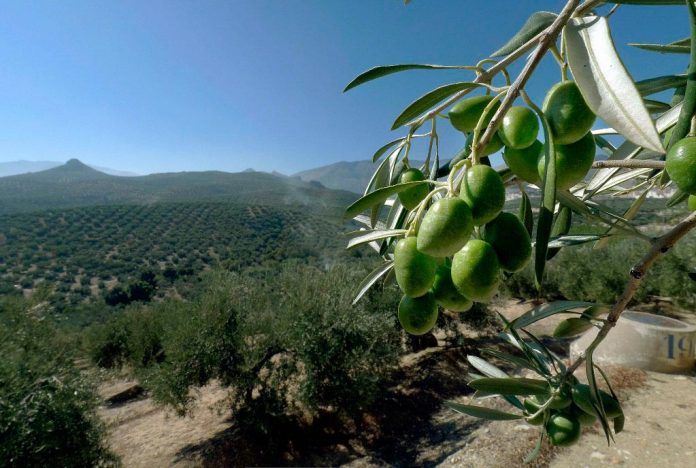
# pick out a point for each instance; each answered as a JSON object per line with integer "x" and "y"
{"x": 411, "y": 428}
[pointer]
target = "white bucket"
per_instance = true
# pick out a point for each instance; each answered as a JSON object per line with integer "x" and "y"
{"x": 645, "y": 341}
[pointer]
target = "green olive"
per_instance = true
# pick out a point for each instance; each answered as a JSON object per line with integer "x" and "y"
{"x": 464, "y": 116}
{"x": 414, "y": 271}
{"x": 410, "y": 198}
{"x": 524, "y": 163}
{"x": 519, "y": 128}
{"x": 476, "y": 271}
{"x": 483, "y": 190}
{"x": 418, "y": 315}
{"x": 446, "y": 293}
{"x": 567, "y": 113}
{"x": 573, "y": 162}
{"x": 511, "y": 241}
{"x": 680, "y": 164}
{"x": 446, "y": 227}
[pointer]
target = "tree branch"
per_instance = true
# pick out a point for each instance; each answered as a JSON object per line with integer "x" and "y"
{"x": 659, "y": 247}
{"x": 546, "y": 39}
{"x": 629, "y": 163}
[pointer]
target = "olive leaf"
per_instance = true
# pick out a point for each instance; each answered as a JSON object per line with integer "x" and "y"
{"x": 511, "y": 386}
{"x": 647, "y": 2}
{"x": 485, "y": 367}
{"x": 546, "y": 310}
{"x": 676, "y": 198}
{"x": 557, "y": 243}
{"x": 482, "y": 412}
{"x": 536, "y": 23}
{"x": 571, "y": 327}
{"x": 379, "y": 196}
{"x": 663, "y": 48}
{"x": 656, "y": 107}
{"x": 548, "y": 202}
{"x": 604, "y": 82}
{"x": 630, "y": 213}
{"x": 429, "y": 100}
{"x": 561, "y": 227}
{"x": 384, "y": 70}
{"x": 371, "y": 279}
{"x": 525, "y": 214}
{"x": 659, "y": 84}
{"x": 378, "y": 154}
{"x": 364, "y": 236}
{"x": 629, "y": 150}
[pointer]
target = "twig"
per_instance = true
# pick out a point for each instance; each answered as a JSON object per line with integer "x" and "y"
{"x": 659, "y": 247}
{"x": 547, "y": 38}
{"x": 629, "y": 163}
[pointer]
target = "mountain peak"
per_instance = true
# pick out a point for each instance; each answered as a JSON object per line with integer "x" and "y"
{"x": 75, "y": 164}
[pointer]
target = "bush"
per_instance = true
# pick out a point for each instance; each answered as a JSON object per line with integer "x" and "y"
{"x": 47, "y": 408}
{"x": 581, "y": 274}
{"x": 284, "y": 337}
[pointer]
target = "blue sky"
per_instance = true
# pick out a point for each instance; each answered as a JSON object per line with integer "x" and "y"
{"x": 166, "y": 85}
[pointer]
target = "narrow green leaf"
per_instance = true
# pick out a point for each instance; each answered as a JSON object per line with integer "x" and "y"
{"x": 514, "y": 339}
{"x": 548, "y": 202}
{"x": 604, "y": 145}
{"x": 364, "y": 236}
{"x": 428, "y": 100}
{"x": 656, "y": 107}
{"x": 571, "y": 327}
{"x": 561, "y": 227}
{"x": 604, "y": 82}
{"x": 536, "y": 23}
{"x": 481, "y": 412}
{"x": 619, "y": 423}
{"x": 384, "y": 70}
{"x": 596, "y": 399}
{"x": 379, "y": 196}
{"x": 378, "y": 154}
{"x": 371, "y": 279}
{"x": 546, "y": 310}
{"x": 660, "y": 83}
{"x": 511, "y": 386}
{"x": 663, "y": 48}
{"x": 540, "y": 348}
{"x": 525, "y": 214}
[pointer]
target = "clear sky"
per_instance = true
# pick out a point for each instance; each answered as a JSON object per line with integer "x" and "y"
{"x": 168, "y": 85}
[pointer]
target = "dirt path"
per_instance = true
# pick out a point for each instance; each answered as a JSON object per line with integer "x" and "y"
{"x": 412, "y": 429}
{"x": 144, "y": 434}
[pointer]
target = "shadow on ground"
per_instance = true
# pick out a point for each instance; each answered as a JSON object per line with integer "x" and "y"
{"x": 407, "y": 426}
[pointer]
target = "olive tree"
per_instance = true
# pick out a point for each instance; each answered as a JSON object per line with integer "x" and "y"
{"x": 440, "y": 228}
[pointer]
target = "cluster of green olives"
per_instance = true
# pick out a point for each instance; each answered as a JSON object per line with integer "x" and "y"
{"x": 442, "y": 264}
{"x": 567, "y": 411}
{"x": 570, "y": 121}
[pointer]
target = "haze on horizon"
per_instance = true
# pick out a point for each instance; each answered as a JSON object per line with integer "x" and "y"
{"x": 164, "y": 86}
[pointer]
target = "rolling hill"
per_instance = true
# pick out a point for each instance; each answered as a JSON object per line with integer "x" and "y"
{"x": 75, "y": 184}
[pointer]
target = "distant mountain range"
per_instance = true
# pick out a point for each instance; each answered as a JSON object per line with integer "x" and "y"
{"x": 76, "y": 184}
{"x": 22, "y": 167}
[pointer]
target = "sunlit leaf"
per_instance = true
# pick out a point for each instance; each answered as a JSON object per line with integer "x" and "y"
{"x": 485, "y": 367}
{"x": 561, "y": 227}
{"x": 525, "y": 214}
{"x": 384, "y": 70}
{"x": 536, "y": 23}
{"x": 604, "y": 82}
{"x": 378, "y": 154}
{"x": 364, "y": 236}
{"x": 566, "y": 241}
{"x": 371, "y": 279}
{"x": 481, "y": 412}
